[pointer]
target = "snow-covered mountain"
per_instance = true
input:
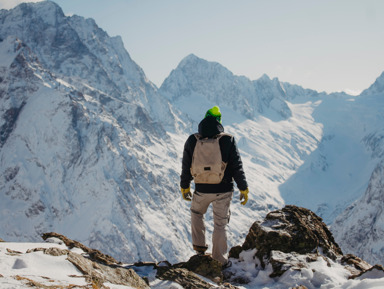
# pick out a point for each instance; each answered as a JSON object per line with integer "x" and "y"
{"x": 275, "y": 135}
{"x": 90, "y": 148}
{"x": 200, "y": 80}
{"x": 80, "y": 53}
{"x": 291, "y": 154}
{"x": 82, "y": 144}
{"x": 319, "y": 153}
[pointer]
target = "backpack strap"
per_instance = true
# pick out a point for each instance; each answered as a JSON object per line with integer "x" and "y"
{"x": 198, "y": 136}
{"x": 219, "y": 136}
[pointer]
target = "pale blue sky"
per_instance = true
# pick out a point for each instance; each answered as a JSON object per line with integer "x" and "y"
{"x": 327, "y": 45}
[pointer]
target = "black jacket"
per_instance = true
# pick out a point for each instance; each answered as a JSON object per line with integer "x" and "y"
{"x": 210, "y": 127}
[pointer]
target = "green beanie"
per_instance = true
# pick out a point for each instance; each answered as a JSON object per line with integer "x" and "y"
{"x": 215, "y": 112}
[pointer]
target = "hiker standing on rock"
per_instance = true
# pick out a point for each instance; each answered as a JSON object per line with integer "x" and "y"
{"x": 212, "y": 160}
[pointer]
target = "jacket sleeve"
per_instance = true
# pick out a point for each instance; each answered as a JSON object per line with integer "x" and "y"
{"x": 237, "y": 166}
{"x": 186, "y": 177}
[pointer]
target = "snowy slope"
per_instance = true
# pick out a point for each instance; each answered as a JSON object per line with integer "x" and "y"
{"x": 360, "y": 228}
{"x": 337, "y": 173}
{"x": 35, "y": 266}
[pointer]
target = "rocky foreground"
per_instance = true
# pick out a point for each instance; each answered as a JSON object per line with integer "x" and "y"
{"x": 286, "y": 250}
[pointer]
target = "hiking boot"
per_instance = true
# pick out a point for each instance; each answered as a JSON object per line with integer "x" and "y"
{"x": 200, "y": 253}
{"x": 200, "y": 250}
{"x": 226, "y": 265}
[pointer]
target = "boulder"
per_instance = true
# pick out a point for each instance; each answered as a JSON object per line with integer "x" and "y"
{"x": 291, "y": 229}
{"x": 289, "y": 239}
{"x": 205, "y": 266}
{"x": 292, "y": 239}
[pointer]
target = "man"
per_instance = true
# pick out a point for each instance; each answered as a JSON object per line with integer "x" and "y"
{"x": 218, "y": 194}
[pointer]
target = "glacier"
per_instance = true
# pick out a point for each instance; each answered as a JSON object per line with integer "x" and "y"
{"x": 91, "y": 148}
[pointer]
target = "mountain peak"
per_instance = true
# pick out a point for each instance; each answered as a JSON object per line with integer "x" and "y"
{"x": 213, "y": 83}
{"x": 190, "y": 57}
{"x": 188, "y": 60}
{"x": 265, "y": 77}
{"x": 48, "y": 11}
{"x": 194, "y": 62}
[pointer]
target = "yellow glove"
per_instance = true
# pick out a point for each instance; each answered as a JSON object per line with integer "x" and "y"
{"x": 244, "y": 196}
{"x": 187, "y": 195}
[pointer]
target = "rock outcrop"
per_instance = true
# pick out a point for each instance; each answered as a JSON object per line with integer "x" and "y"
{"x": 291, "y": 229}
{"x": 94, "y": 255}
{"x": 292, "y": 247}
{"x": 96, "y": 267}
{"x": 99, "y": 273}
{"x": 291, "y": 239}
{"x": 376, "y": 271}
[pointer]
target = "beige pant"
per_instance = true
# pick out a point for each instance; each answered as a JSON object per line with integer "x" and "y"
{"x": 220, "y": 205}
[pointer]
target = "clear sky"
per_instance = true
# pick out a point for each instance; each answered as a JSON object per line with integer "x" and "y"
{"x": 326, "y": 45}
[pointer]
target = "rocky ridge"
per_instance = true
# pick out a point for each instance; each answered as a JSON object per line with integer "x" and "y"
{"x": 287, "y": 243}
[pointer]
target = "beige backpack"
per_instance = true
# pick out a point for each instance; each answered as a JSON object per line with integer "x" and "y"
{"x": 207, "y": 165}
